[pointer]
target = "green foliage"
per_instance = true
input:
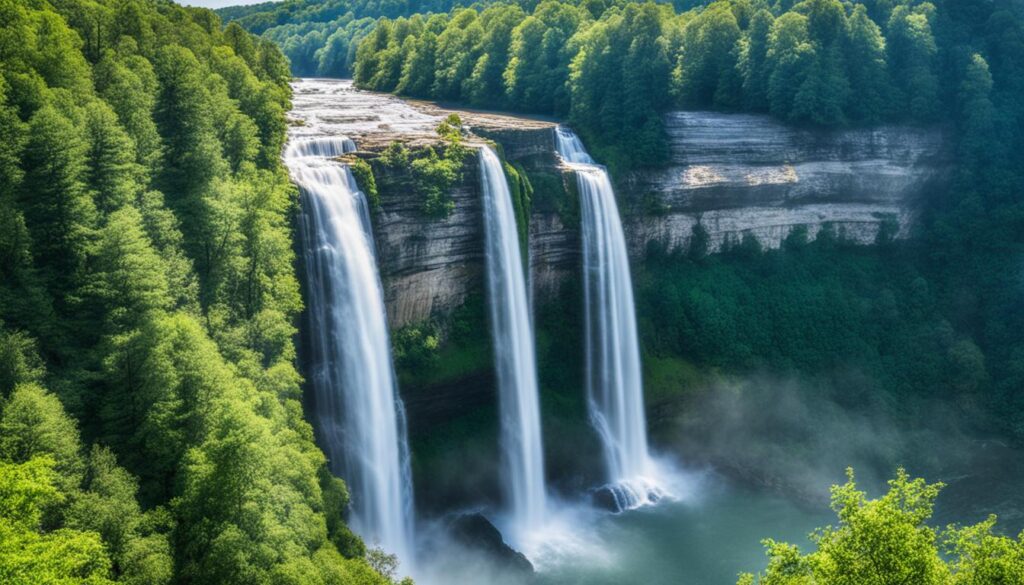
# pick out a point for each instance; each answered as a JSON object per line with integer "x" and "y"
{"x": 146, "y": 277}
{"x": 19, "y": 361}
{"x": 612, "y": 69}
{"x": 363, "y": 173}
{"x": 396, "y": 155}
{"x": 33, "y": 424}
{"x": 820, "y": 309}
{"x": 29, "y": 556}
{"x": 522, "y": 196}
{"x": 416, "y": 346}
{"x": 888, "y": 541}
{"x": 432, "y": 175}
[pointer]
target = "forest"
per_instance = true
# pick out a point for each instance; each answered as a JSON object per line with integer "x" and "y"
{"x": 151, "y": 428}
{"x": 152, "y": 421}
{"x": 610, "y": 67}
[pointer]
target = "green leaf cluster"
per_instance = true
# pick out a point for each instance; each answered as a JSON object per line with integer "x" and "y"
{"x": 887, "y": 541}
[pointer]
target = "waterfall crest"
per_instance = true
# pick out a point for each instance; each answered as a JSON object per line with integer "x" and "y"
{"x": 613, "y": 375}
{"x": 515, "y": 360}
{"x": 360, "y": 418}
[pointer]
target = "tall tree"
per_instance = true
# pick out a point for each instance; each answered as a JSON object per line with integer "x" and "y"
{"x": 868, "y": 71}
{"x": 58, "y": 210}
{"x": 753, "y": 61}
{"x": 912, "y": 59}
{"x": 112, "y": 175}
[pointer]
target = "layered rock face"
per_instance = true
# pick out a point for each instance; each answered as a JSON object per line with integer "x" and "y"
{"x": 428, "y": 266}
{"x": 733, "y": 174}
{"x": 738, "y": 174}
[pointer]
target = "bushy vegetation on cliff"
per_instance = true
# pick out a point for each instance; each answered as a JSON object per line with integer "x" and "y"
{"x": 151, "y": 429}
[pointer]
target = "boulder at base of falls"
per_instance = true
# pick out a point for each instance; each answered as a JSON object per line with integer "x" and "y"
{"x": 476, "y": 532}
{"x": 621, "y": 497}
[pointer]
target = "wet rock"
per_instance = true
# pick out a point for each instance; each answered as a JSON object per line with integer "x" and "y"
{"x": 604, "y": 498}
{"x": 476, "y": 532}
{"x": 743, "y": 175}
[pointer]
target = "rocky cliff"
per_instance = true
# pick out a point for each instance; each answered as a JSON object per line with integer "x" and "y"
{"x": 738, "y": 174}
{"x": 733, "y": 174}
{"x": 428, "y": 265}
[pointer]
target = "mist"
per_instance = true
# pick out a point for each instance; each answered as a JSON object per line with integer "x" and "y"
{"x": 796, "y": 437}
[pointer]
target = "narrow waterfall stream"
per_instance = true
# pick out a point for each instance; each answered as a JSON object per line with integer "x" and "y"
{"x": 360, "y": 418}
{"x": 614, "y": 381}
{"x": 515, "y": 360}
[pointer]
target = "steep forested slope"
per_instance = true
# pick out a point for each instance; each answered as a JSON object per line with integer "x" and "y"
{"x": 151, "y": 428}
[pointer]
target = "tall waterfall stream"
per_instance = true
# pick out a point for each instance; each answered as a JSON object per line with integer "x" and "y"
{"x": 360, "y": 418}
{"x": 613, "y": 375}
{"x": 515, "y": 362}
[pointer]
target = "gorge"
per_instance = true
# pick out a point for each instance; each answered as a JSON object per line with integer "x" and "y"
{"x": 432, "y": 269}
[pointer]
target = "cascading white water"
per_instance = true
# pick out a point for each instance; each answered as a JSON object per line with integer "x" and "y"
{"x": 515, "y": 361}
{"x": 360, "y": 417}
{"x": 321, "y": 146}
{"x": 614, "y": 383}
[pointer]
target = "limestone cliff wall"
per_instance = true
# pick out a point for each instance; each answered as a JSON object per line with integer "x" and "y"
{"x": 733, "y": 174}
{"x": 738, "y": 174}
{"x": 428, "y": 265}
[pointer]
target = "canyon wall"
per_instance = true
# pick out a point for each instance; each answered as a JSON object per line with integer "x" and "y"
{"x": 733, "y": 174}
{"x": 738, "y": 174}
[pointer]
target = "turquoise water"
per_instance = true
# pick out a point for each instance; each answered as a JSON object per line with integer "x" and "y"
{"x": 705, "y": 538}
{"x": 708, "y": 536}
{"x": 704, "y": 541}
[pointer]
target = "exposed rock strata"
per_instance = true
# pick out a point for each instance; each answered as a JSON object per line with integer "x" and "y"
{"x": 740, "y": 174}
{"x": 733, "y": 174}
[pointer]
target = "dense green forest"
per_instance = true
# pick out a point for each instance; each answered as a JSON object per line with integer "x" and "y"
{"x": 611, "y": 69}
{"x": 320, "y": 37}
{"x": 151, "y": 427}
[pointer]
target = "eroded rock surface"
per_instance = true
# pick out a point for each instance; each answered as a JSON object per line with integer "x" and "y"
{"x": 739, "y": 174}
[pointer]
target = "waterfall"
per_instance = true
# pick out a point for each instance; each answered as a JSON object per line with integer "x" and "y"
{"x": 321, "y": 146}
{"x": 359, "y": 415}
{"x": 512, "y": 331}
{"x": 614, "y": 384}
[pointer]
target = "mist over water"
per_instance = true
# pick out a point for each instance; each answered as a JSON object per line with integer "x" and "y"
{"x": 360, "y": 418}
